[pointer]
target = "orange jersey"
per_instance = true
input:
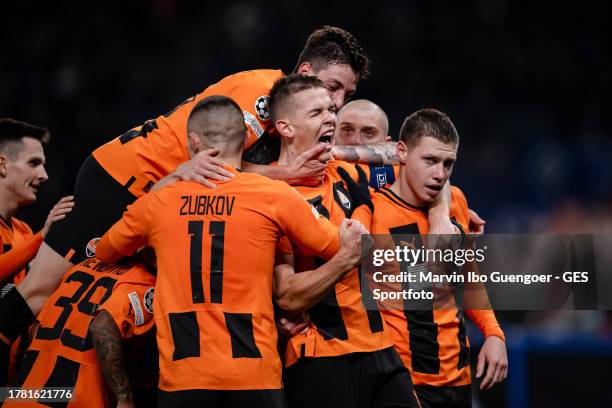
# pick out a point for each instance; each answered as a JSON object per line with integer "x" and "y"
{"x": 13, "y": 234}
{"x": 341, "y": 323}
{"x": 61, "y": 353}
{"x": 142, "y": 156}
{"x": 432, "y": 344}
{"x": 17, "y": 248}
{"x": 215, "y": 258}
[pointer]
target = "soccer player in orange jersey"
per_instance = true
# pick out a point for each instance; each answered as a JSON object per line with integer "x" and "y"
{"x": 363, "y": 122}
{"x": 363, "y": 126}
{"x": 215, "y": 270}
{"x": 433, "y": 343}
{"x": 61, "y": 353}
{"x": 22, "y": 171}
{"x": 128, "y": 166}
{"x": 346, "y": 358}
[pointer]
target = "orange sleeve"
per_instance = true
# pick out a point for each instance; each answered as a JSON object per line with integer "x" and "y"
{"x": 459, "y": 207}
{"x": 486, "y": 322}
{"x": 301, "y": 222}
{"x": 13, "y": 261}
{"x": 131, "y": 307}
{"x": 131, "y": 303}
{"x": 250, "y": 90}
{"x": 128, "y": 234}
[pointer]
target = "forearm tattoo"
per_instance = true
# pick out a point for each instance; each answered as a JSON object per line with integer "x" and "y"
{"x": 377, "y": 154}
{"x": 107, "y": 342}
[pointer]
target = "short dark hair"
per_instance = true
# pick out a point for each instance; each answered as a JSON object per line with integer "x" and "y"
{"x": 202, "y": 120}
{"x": 333, "y": 45}
{"x": 13, "y": 131}
{"x": 284, "y": 88}
{"x": 428, "y": 122}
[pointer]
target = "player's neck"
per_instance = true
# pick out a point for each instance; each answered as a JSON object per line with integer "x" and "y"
{"x": 8, "y": 205}
{"x": 232, "y": 161}
{"x": 287, "y": 154}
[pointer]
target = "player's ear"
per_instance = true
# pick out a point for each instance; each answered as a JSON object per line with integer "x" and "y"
{"x": 284, "y": 128}
{"x": 388, "y": 138}
{"x": 402, "y": 151}
{"x": 305, "y": 69}
{"x": 3, "y": 165}
{"x": 194, "y": 142}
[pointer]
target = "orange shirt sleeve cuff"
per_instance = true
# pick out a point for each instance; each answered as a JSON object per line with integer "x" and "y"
{"x": 106, "y": 251}
{"x": 486, "y": 322}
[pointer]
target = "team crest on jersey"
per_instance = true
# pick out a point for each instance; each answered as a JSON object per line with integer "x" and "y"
{"x": 346, "y": 203}
{"x": 261, "y": 107}
{"x": 90, "y": 249}
{"x": 148, "y": 300}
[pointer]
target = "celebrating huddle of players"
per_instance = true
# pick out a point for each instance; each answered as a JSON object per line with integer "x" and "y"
{"x": 238, "y": 250}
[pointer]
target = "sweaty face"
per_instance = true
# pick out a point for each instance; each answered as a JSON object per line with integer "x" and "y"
{"x": 360, "y": 126}
{"x": 26, "y": 172}
{"x": 312, "y": 118}
{"x": 427, "y": 167}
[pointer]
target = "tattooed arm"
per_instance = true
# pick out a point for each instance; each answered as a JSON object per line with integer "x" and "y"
{"x": 107, "y": 343}
{"x": 377, "y": 153}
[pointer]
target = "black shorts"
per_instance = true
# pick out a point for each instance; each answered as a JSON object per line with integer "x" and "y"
{"x": 99, "y": 202}
{"x": 358, "y": 380}
{"x": 444, "y": 397}
{"x": 222, "y": 399}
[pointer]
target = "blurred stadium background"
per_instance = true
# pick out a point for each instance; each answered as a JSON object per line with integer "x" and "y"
{"x": 528, "y": 86}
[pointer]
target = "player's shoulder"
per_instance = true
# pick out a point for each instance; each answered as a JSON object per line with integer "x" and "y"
{"x": 137, "y": 274}
{"x": 177, "y": 188}
{"x": 381, "y": 198}
{"x": 262, "y": 184}
{"x": 458, "y": 196}
{"x": 268, "y": 193}
{"x": 459, "y": 206}
{"x": 389, "y": 202}
{"x": 260, "y": 74}
{"x": 242, "y": 183}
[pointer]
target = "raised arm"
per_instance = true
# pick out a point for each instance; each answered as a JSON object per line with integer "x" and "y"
{"x": 128, "y": 234}
{"x": 377, "y": 153}
{"x": 16, "y": 258}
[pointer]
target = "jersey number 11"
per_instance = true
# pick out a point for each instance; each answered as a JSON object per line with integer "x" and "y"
{"x": 196, "y": 230}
